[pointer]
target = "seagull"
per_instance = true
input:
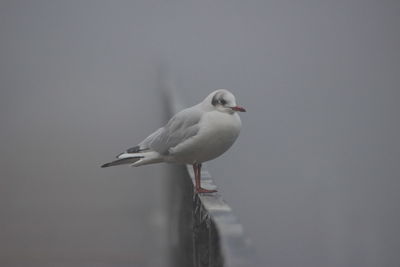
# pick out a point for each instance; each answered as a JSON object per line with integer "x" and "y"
{"x": 194, "y": 135}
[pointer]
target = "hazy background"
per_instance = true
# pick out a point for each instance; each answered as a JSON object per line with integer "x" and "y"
{"x": 314, "y": 176}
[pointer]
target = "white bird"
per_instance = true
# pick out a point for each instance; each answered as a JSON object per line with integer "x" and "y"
{"x": 194, "y": 135}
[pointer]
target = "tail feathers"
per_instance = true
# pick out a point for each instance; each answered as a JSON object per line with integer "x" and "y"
{"x": 149, "y": 157}
{"x": 136, "y": 159}
{"x": 121, "y": 162}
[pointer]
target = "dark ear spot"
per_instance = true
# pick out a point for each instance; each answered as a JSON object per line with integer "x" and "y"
{"x": 214, "y": 100}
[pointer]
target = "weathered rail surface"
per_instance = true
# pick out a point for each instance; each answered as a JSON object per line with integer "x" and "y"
{"x": 204, "y": 232}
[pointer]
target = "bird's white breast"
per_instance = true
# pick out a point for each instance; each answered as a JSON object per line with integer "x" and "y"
{"x": 218, "y": 131}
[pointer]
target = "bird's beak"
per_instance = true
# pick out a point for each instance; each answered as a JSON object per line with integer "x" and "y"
{"x": 238, "y": 108}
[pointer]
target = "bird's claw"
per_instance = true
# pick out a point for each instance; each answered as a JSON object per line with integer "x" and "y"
{"x": 203, "y": 190}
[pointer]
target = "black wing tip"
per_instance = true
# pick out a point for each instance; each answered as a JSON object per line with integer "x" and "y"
{"x": 134, "y": 149}
{"x": 121, "y": 161}
{"x": 131, "y": 150}
{"x": 105, "y": 165}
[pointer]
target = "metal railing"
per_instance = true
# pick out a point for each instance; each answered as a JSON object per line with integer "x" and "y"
{"x": 204, "y": 232}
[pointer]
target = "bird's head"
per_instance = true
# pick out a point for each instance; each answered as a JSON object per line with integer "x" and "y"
{"x": 223, "y": 101}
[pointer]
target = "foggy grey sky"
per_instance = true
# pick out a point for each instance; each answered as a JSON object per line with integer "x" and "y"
{"x": 314, "y": 176}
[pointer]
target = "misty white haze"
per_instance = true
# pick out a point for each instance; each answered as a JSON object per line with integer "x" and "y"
{"x": 313, "y": 177}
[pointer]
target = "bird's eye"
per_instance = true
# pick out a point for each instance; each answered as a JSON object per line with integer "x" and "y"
{"x": 222, "y": 102}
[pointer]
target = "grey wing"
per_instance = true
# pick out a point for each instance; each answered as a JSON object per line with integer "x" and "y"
{"x": 184, "y": 125}
{"x": 145, "y": 144}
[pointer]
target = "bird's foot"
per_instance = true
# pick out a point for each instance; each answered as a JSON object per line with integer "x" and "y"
{"x": 203, "y": 190}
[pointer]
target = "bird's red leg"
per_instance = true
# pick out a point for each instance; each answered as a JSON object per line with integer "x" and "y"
{"x": 197, "y": 180}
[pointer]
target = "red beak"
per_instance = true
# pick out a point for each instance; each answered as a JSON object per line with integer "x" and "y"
{"x": 237, "y": 108}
